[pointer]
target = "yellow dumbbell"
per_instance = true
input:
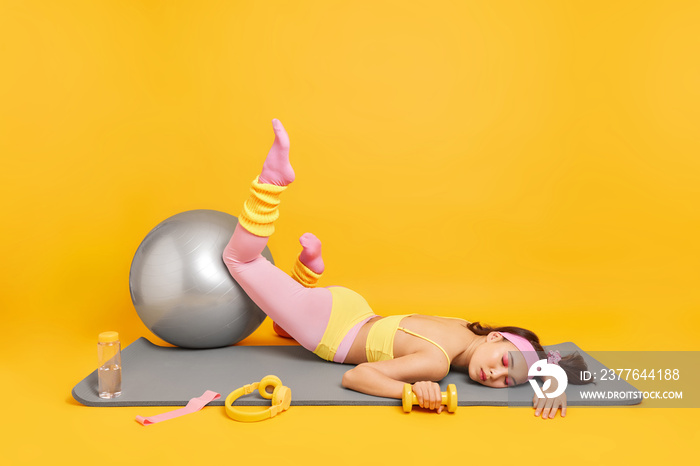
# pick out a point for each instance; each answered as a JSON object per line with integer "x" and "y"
{"x": 449, "y": 398}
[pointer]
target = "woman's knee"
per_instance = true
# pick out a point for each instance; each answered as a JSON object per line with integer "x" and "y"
{"x": 243, "y": 247}
{"x": 232, "y": 259}
{"x": 239, "y": 265}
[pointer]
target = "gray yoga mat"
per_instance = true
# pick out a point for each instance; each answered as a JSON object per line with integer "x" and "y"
{"x": 163, "y": 376}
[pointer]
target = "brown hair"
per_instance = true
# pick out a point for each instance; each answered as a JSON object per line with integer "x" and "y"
{"x": 573, "y": 364}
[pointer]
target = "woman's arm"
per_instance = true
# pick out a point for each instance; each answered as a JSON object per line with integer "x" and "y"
{"x": 387, "y": 378}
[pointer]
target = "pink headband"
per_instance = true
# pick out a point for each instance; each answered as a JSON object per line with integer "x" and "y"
{"x": 524, "y": 346}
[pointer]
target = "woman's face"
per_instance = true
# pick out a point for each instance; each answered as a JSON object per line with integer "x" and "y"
{"x": 497, "y": 363}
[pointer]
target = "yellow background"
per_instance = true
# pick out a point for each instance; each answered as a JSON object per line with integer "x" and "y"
{"x": 528, "y": 163}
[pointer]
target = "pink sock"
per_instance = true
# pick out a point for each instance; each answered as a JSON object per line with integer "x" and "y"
{"x": 311, "y": 255}
{"x": 277, "y": 170}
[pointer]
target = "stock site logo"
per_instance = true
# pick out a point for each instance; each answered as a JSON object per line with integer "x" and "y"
{"x": 543, "y": 368}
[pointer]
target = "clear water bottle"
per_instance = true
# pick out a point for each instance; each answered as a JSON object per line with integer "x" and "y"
{"x": 109, "y": 373}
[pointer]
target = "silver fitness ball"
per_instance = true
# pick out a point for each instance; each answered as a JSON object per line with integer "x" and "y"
{"x": 181, "y": 288}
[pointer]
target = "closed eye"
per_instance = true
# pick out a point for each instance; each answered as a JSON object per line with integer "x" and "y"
{"x": 509, "y": 360}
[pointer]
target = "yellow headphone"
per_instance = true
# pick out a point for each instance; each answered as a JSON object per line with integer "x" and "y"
{"x": 281, "y": 399}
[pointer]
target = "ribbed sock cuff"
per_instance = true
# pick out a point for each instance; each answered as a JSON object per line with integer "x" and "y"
{"x": 305, "y": 275}
{"x": 261, "y": 209}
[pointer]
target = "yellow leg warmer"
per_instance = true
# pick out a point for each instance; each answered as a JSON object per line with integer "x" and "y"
{"x": 305, "y": 275}
{"x": 261, "y": 209}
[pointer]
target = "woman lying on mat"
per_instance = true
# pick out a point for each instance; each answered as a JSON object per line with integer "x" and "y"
{"x": 338, "y": 325}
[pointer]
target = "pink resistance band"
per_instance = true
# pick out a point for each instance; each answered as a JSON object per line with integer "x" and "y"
{"x": 194, "y": 405}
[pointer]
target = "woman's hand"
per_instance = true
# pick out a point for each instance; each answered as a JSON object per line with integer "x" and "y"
{"x": 428, "y": 395}
{"x": 549, "y": 406}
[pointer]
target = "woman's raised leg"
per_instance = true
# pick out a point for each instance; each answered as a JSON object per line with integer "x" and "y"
{"x": 302, "y": 312}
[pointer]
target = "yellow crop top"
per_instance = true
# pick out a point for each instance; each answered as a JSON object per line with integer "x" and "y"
{"x": 380, "y": 339}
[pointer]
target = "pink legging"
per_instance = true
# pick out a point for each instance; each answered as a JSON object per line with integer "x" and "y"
{"x": 302, "y": 312}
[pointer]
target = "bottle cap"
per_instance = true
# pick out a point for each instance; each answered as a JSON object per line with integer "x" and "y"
{"x": 108, "y": 337}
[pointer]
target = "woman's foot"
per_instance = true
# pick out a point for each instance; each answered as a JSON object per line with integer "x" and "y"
{"x": 280, "y": 331}
{"x": 277, "y": 170}
{"x": 311, "y": 255}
